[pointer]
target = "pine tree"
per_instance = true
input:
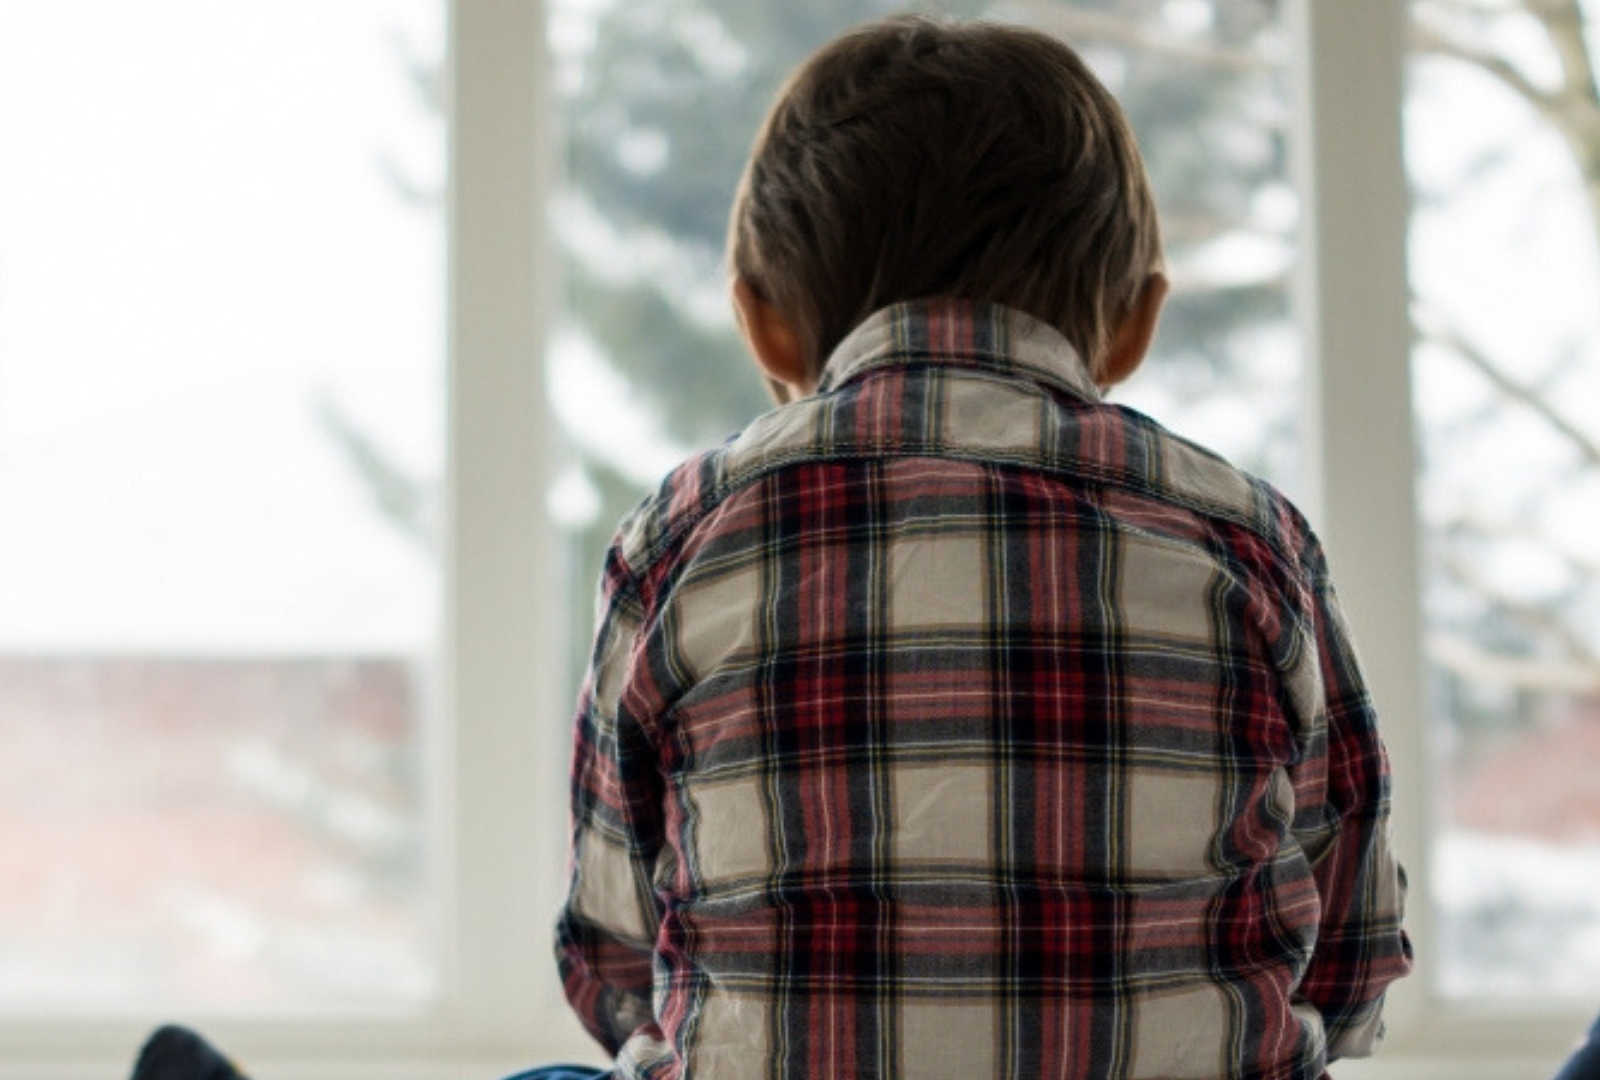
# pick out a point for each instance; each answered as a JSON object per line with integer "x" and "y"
{"x": 660, "y": 100}
{"x": 689, "y": 81}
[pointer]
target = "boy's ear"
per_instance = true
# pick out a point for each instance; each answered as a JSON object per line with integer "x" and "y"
{"x": 1131, "y": 340}
{"x": 773, "y": 341}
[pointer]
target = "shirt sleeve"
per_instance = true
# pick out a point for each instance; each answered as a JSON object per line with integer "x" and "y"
{"x": 607, "y": 927}
{"x": 1361, "y": 946}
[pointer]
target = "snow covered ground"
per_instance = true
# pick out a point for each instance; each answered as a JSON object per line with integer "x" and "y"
{"x": 1516, "y": 916}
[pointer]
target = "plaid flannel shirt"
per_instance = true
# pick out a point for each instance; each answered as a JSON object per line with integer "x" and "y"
{"x": 951, "y": 722}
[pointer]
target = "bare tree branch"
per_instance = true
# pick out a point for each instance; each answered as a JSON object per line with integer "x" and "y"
{"x": 1432, "y": 330}
{"x": 1563, "y": 23}
{"x": 1430, "y": 39}
{"x": 1492, "y": 9}
{"x": 1573, "y": 108}
{"x": 1582, "y": 566}
{"x": 1473, "y": 663}
{"x": 1078, "y": 24}
{"x": 1192, "y": 284}
{"x": 1533, "y": 618}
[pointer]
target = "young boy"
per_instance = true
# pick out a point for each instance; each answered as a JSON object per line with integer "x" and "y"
{"x": 950, "y": 722}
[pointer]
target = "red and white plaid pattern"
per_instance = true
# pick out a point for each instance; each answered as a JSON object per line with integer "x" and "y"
{"x": 953, "y": 723}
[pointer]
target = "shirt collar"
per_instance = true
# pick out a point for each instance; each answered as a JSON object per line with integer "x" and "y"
{"x": 951, "y": 331}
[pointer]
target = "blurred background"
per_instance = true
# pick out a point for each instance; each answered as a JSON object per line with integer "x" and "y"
{"x": 222, "y": 440}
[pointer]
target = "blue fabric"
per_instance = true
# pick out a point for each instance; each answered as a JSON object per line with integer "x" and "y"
{"x": 1584, "y": 1064}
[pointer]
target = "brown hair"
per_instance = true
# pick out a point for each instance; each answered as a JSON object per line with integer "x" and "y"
{"x": 914, "y": 158}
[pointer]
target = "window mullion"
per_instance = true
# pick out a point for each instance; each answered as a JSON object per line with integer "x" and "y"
{"x": 1361, "y": 440}
{"x": 506, "y": 775}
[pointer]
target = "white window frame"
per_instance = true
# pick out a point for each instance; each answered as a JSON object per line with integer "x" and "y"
{"x": 502, "y": 823}
{"x": 1361, "y": 440}
{"x": 498, "y": 825}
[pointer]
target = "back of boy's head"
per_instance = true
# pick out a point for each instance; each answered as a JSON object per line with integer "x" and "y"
{"x": 915, "y": 158}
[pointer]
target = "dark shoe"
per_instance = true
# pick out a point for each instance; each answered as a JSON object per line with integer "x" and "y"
{"x": 176, "y": 1053}
{"x": 1584, "y": 1064}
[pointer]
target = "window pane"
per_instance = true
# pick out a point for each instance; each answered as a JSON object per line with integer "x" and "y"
{"x": 221, "y": 433}
{"x": 661, "y": 100}
{"x": 1507, "y": 371}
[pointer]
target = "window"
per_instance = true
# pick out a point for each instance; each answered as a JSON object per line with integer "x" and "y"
{"x": 117, "y": 190}
{"x": 1504, "y": 272}
{"x": 221, "y": 439}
